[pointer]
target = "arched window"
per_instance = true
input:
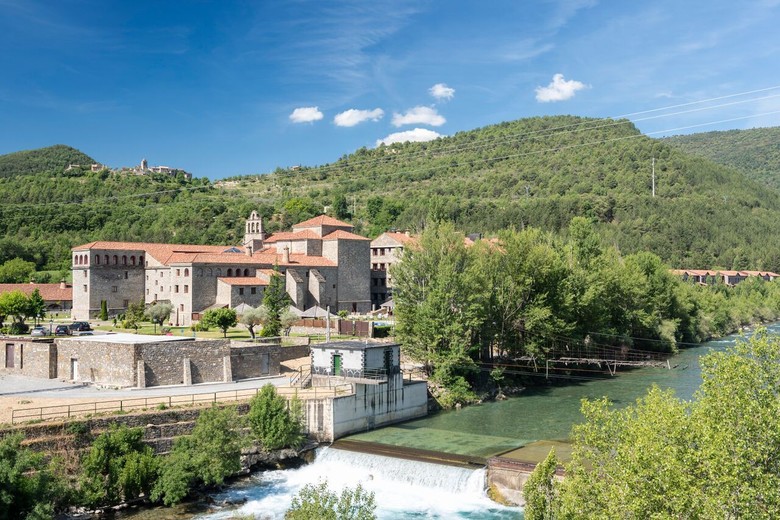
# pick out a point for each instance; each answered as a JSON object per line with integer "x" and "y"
{"x": 219, "y": 272}
{"x": 186, "y": 272}
{"x": 86, "y": 260}
{"x": 230, "y": 272}
{"x": 116, "y": 260}
{"x": 209, "y": 272}
{"x": 140, "y": 260}
{"x": 76, "y": 260}
{"x": 97, "y": 259}
{"x": 200, "y": 272}
{"x": 246, "y": 272}
{"x": 132, "y": 260}
{"x": 124, "y": 259}
{"x": 105, "y": 257}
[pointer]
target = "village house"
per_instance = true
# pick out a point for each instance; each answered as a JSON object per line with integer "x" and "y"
{"x": 323, "y": 263}
{"x": 58, "y": 297}
{"x": 727, "y": 277}
{"x": 386, "y": 250}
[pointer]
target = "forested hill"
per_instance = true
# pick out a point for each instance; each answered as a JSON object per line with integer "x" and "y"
{"x": 537, "y": 172}
{"x": 48, "y": 161}
{"x": 754, "y": 152}
{"x": 541, "y": 172}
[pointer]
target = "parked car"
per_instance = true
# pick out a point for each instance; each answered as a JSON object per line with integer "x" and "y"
{"x": 39, "y": 331}
{"x": 61, "y": 330}
{"x": 79, "y": 326}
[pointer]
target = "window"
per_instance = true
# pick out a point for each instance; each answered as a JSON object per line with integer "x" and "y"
{"x": 97, "y": 259}
{"x": 253, "y": 290}
{"x": 230, "y": 272}
{"x": 186, "y": 289}
{"x": 382, "y": 251}
{"x": 155, "y": 282}
{"x": 178, "y": 272}
{"x": 116, "y": 260}
{"x": 181, "y": 307}
{"x": 125, "y": 303}
{"x": 161, "y": 274}
{"x": 114, "y": 288}
{"x": 246, "y": 272}
{"x": 176, "y": 288}
{"x": 241, "y": 291}
{"x": 124, "y": 259}
{"x": 132, "y": 260}
{"x": 147, "y": 277}
{"x": 85, "y": 288}
{"x": 147, "y": 292}
{"x": 105, "y": 257}
{"x": 85, "y": 273}
{"x": 186, "y": 272}
{"x": 126, "y": 275}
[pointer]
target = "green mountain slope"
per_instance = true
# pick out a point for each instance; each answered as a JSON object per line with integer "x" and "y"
{"x": 51, "y": 161}
{"x": 754, "y": 152}
{"x": 541, "y": 172}
{"x": 537, "y": 172}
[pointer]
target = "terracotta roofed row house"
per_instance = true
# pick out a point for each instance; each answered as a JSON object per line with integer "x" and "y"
{"x": 728, "y": 277}
{"x": 323, "y": 262}
{"x": 58, "y": 297}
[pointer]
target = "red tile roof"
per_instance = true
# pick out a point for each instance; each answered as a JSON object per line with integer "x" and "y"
{"x": 288, "y": 235}
{"x": 340, "y": 234}
{"x": 403, "y": 238}
{"x": 322, "y": 220}
{"x": 49, "y": 291}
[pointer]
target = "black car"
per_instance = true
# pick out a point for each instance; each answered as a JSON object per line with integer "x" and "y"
{"x": 79, "y": 326}
{"x": 62, "y": 330}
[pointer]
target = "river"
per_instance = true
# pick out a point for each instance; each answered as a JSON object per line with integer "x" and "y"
{"x": 407, "y": 489}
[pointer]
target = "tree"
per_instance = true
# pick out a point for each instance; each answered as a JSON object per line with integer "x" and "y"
{"x": 713, "y": 457}
{"x": 322, "y": 503}
{"x": 340, "y": 206}
{"x": 208, "y": 456}
{"x": 223, "y": 319}
{"x": 276, "y": 300}
{"x": 275, "y": 424}
{"x": 253, "y": 317}
{"x": 16, "y": 304}
{"x": 103, "y": 310}
{"x": 29, "y": 488}
{"x": 16, "y": 270}
{"x": 286, "y": 320}
{"x": 159, "y": 313}
{"x": 539, "y": 490}
{"x": 36, "y": 305}
{"x": 136, "y": 313}
{"x": 119, "y": 467}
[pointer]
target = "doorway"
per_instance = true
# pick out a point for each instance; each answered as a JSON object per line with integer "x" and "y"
{"x": 74, "y": 369}
{"x": 336, "y": 364}
{"x": 9, "y": 355}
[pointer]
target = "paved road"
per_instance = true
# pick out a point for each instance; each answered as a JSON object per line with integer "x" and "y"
{"x": 21, "y": 386}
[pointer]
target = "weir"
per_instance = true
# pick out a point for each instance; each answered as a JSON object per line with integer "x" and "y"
{"x": 413, "y": 454}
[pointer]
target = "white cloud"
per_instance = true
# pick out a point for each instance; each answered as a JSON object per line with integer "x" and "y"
{"x": 354, "y": 117}
{"x": 418, "y": 135}
{"x": 442, "y": 92}
{"x": 558, "y": 90}
{"x": 419, "y": 116}
{"x": 306, "y": 115}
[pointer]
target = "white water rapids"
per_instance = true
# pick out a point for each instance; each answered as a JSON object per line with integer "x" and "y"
{"x": 403, "y": 488}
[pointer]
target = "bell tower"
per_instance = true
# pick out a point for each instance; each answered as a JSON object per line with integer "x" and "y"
{"x": 253, "y": 233}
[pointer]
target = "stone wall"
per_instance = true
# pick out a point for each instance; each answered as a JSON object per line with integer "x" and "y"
{"x": 164, "y": 362}
{"x": 29, "y": 357}
{"x": 96, "y": 362}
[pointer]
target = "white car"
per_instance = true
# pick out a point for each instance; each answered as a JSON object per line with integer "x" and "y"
{"x": 39, "y": 331}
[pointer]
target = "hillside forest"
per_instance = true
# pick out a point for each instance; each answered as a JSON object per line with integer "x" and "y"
{"x": 538, "y": 172}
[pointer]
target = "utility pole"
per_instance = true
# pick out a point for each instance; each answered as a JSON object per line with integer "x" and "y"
{"x": 653, "y": 176}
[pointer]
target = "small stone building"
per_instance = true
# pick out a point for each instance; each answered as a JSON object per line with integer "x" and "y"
{"x": 380, "y": 397}
{"x": 137, "y": 360}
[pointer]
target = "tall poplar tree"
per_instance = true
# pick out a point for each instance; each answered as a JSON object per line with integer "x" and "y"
{"x": 276, "y": 300}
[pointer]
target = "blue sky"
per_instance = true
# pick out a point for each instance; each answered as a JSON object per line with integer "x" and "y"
{"x": 239, "y": 87}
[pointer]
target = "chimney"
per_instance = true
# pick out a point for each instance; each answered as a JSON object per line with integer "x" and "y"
{"x": 286, "y": 255}
{"x": 248, "y": 249}
{"x": 62, "y": 284}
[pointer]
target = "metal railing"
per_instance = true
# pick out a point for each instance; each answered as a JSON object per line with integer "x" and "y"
{"x": 67, "y": 411}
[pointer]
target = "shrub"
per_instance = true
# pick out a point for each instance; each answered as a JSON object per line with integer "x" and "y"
{"x": 273, "y": 423}
{"x": 118, "y": 467}
{"x": 322, "y": 503}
